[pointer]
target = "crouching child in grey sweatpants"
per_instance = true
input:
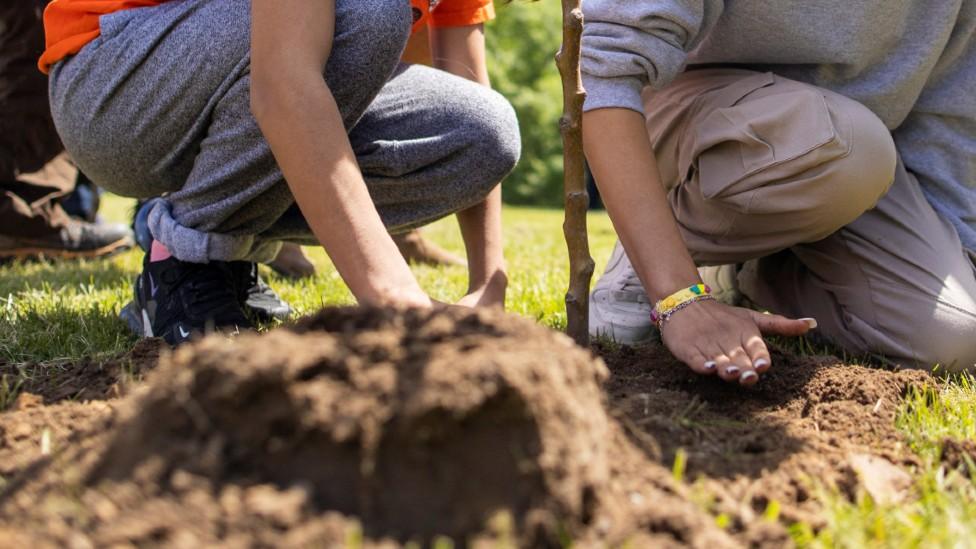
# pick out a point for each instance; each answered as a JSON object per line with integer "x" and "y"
{"x": 161, "y": 103}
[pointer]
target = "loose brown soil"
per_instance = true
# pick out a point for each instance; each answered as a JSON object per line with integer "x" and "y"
{"x": 792, "y": 434}
{"x": 474, "y": 425}
{"x": 85, "y": 380}
{"x": 959, "y": 455}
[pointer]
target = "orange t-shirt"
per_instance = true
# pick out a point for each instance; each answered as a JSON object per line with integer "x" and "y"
{"x": 451, "y": 13}
{"x": 71, "y": 24}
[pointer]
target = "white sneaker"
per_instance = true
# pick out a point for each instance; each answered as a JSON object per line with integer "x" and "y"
{"x": 621, "y": 310}
{"x": 619, "y": 307}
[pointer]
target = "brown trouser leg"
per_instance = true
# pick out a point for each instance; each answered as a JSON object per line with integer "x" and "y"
{"x": 805, "y": 187}
{"x": 32, "y": 174}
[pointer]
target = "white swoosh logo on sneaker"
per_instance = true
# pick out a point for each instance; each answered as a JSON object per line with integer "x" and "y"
{"x": 153, "y": 288}
{"x": 146, "y": 324}
{"x": 183, "y": 333}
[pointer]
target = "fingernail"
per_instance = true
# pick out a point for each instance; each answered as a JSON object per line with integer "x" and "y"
{"x": 749, "y": 376}
{"x": 732, "y": 371}
{"x": 710, "y": 365}
{"x": 761, "y": 363}
{"x": 811, "y": 323}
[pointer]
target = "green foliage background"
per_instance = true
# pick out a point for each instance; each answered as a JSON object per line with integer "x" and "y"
{"x": 521, "y": 43}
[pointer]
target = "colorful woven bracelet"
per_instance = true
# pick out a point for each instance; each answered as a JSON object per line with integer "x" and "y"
{"x": 679, "y": 300}
{"x": 666, "y": 316}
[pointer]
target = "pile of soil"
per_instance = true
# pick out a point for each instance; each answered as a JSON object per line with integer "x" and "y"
{"x": 471, "y": 425}
{"x": 389, "y": 427}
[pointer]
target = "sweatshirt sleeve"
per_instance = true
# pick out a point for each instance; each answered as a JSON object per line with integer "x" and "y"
{"x": 630, "y": 44}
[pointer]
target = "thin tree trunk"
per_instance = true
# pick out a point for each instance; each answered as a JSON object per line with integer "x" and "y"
{"x": 577, "y": 199}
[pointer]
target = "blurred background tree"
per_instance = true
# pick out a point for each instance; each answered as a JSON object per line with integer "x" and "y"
{"x": 522, "y": 42}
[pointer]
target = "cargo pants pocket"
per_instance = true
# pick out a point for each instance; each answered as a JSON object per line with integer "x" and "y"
{"x": 759, "y": 131}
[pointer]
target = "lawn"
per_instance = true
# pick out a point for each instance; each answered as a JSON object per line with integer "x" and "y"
{"x": 69, "y": 311}
{"x": 55, "y": 314}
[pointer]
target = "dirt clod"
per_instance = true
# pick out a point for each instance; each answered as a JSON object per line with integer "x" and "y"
{"x": 26, "y": 401}
{"x": 886, "y": 483}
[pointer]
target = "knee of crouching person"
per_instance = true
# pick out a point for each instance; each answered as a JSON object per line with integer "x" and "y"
{"x": 863, "y": 176}
{"x": 496, "y": 143}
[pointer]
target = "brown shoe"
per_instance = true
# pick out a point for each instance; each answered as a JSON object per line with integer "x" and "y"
{"x": 292, "y": 263}
{"x": 417, "y": 249}
{"x": 77, "y": 239}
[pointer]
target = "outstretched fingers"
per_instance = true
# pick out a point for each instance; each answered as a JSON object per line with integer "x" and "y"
{"x": 715, "y": 339}
{"x": 727, "y": 370}
{"x": 699, "y": 362}
{"x": 770, "y": 324}
{"x": 736, "y": 366}
{"x": 758, "y": 353}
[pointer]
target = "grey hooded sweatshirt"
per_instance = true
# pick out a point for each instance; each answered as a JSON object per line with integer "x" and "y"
{"x": 912, "y": 62}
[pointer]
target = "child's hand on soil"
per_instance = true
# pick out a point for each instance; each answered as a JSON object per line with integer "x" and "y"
{"x": 712, "y": 338}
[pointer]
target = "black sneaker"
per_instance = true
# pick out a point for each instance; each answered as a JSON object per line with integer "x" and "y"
{"x": 257, "y": 297}
{"x": 177, "y": 301}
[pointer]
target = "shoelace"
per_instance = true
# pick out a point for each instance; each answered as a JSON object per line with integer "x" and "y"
{"x": 212, "y": 294}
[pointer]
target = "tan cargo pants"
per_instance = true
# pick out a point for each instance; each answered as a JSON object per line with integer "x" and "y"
{"x": 804, "y": 186}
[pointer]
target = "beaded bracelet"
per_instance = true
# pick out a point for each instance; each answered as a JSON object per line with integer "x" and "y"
{"x": 679, "y": 300}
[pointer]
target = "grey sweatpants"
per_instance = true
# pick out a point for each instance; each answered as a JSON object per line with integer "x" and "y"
{"x": 160, "y": 105}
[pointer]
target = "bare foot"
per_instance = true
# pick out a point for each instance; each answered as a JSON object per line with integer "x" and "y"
{"x": 292, "y": 263}
{"x": 417, "y": 249}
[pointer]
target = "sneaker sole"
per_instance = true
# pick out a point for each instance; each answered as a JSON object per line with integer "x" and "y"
{"x": 54, "y": 253}
{"x": 264, "y": 315}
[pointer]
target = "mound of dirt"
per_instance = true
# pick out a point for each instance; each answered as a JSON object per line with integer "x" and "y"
{"x": 471, "y": 425}
{"x": 31, "y": 432}
{"x": 762, "y": 453}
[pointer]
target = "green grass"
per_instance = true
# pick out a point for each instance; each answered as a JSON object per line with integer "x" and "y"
{"x": 54, "y": 313}
{"x": 51, "y": 312}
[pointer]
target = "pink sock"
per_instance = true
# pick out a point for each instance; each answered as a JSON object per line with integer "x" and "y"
{"x": 158, "y": 252}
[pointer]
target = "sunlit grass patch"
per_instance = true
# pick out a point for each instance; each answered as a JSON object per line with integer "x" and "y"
{"x": 53, "y": 311}
{"x": 932, "y": 414}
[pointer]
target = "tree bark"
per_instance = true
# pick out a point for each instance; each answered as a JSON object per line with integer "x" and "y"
{"x": 576, "y": 197}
